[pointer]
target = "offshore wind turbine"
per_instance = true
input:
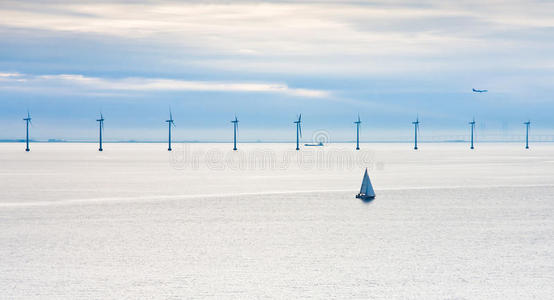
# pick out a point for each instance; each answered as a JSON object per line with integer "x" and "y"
{"x": 472, "y": 124}
{"x": 358, "y": 132}
{"x": 101, "y": 129}
{"x": 235, "y": 130}
{"x": 28, "y": 121}
{"x": 298, "y": 131}
{"x": 170, "y": 123}
{"x": 416, "y": 129}
{"x": 527, "y": 124}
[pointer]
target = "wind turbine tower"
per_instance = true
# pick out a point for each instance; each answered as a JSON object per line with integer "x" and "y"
{"x": 358, "y": 132}
{"x": 170, "y": 124}
{"x": 472, "y": 124}
{"x": 416, "y": 129}
{"x": 298, "y": 131}
{"x": 101, "y": 129}
{"x": 527, "y": 124}
{"x": 28, "y": 121}
{"x": 235, "y": 130}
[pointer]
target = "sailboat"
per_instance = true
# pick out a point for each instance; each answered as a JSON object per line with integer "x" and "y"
{"x": 366, "y": 192}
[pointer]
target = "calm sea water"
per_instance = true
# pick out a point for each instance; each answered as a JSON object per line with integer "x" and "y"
{"x": 268, "y": 222}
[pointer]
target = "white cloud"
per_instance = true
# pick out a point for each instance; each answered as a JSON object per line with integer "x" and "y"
{"x": 431, "y": 40}
{"x": 85, "y": 83}
{"x": 285, "y": 28}
{"x": 313, "y": 37}
{"x": 9, "y": 75}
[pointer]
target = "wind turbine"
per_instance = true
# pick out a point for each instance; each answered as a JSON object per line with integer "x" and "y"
{"x": 170, "y": 123}
{"x": 28, "y": 121}
{"x": 358, "y": 132}
{"x": 298, "y": 131}
{"x": 472, "y": 123}
{"x": 527, "y": 124}
{"x": 101, "y": 129}
{"x": 235, "y": 130}
{"x": 416, "y": 129}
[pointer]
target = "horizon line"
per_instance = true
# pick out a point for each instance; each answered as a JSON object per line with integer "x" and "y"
{"x": 7, "y": 141}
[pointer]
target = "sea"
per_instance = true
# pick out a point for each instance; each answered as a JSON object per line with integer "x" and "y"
{"x": 202, "y": 221}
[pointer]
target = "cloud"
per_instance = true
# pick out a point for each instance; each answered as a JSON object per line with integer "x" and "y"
{"x": 9, "y": 75}
{"x": 85, "y": 83}
{"x": 285, "y": 37}
{"x": 282, "y": 27}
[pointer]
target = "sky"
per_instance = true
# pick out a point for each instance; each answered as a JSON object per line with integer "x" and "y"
{"x": 268, "y": 61}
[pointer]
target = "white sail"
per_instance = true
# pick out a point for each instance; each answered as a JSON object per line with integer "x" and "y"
{"x": 365, "y": 183}
{"x": 367, "y": 188}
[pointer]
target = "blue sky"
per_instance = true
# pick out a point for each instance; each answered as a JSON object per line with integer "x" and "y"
{"x": 268, "y": 61}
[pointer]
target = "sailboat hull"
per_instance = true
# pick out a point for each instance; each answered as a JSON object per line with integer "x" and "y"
{"x": 365, "y": 197}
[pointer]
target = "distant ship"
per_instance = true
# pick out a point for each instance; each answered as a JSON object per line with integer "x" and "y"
{"x": 320, "y": 144}
{"x": 366, "y": 192}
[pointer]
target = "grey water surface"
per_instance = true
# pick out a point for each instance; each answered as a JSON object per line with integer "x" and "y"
{"x": 268, "y": 222}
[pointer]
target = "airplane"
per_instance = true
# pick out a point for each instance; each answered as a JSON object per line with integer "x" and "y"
{"x": 480, "y": 91}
